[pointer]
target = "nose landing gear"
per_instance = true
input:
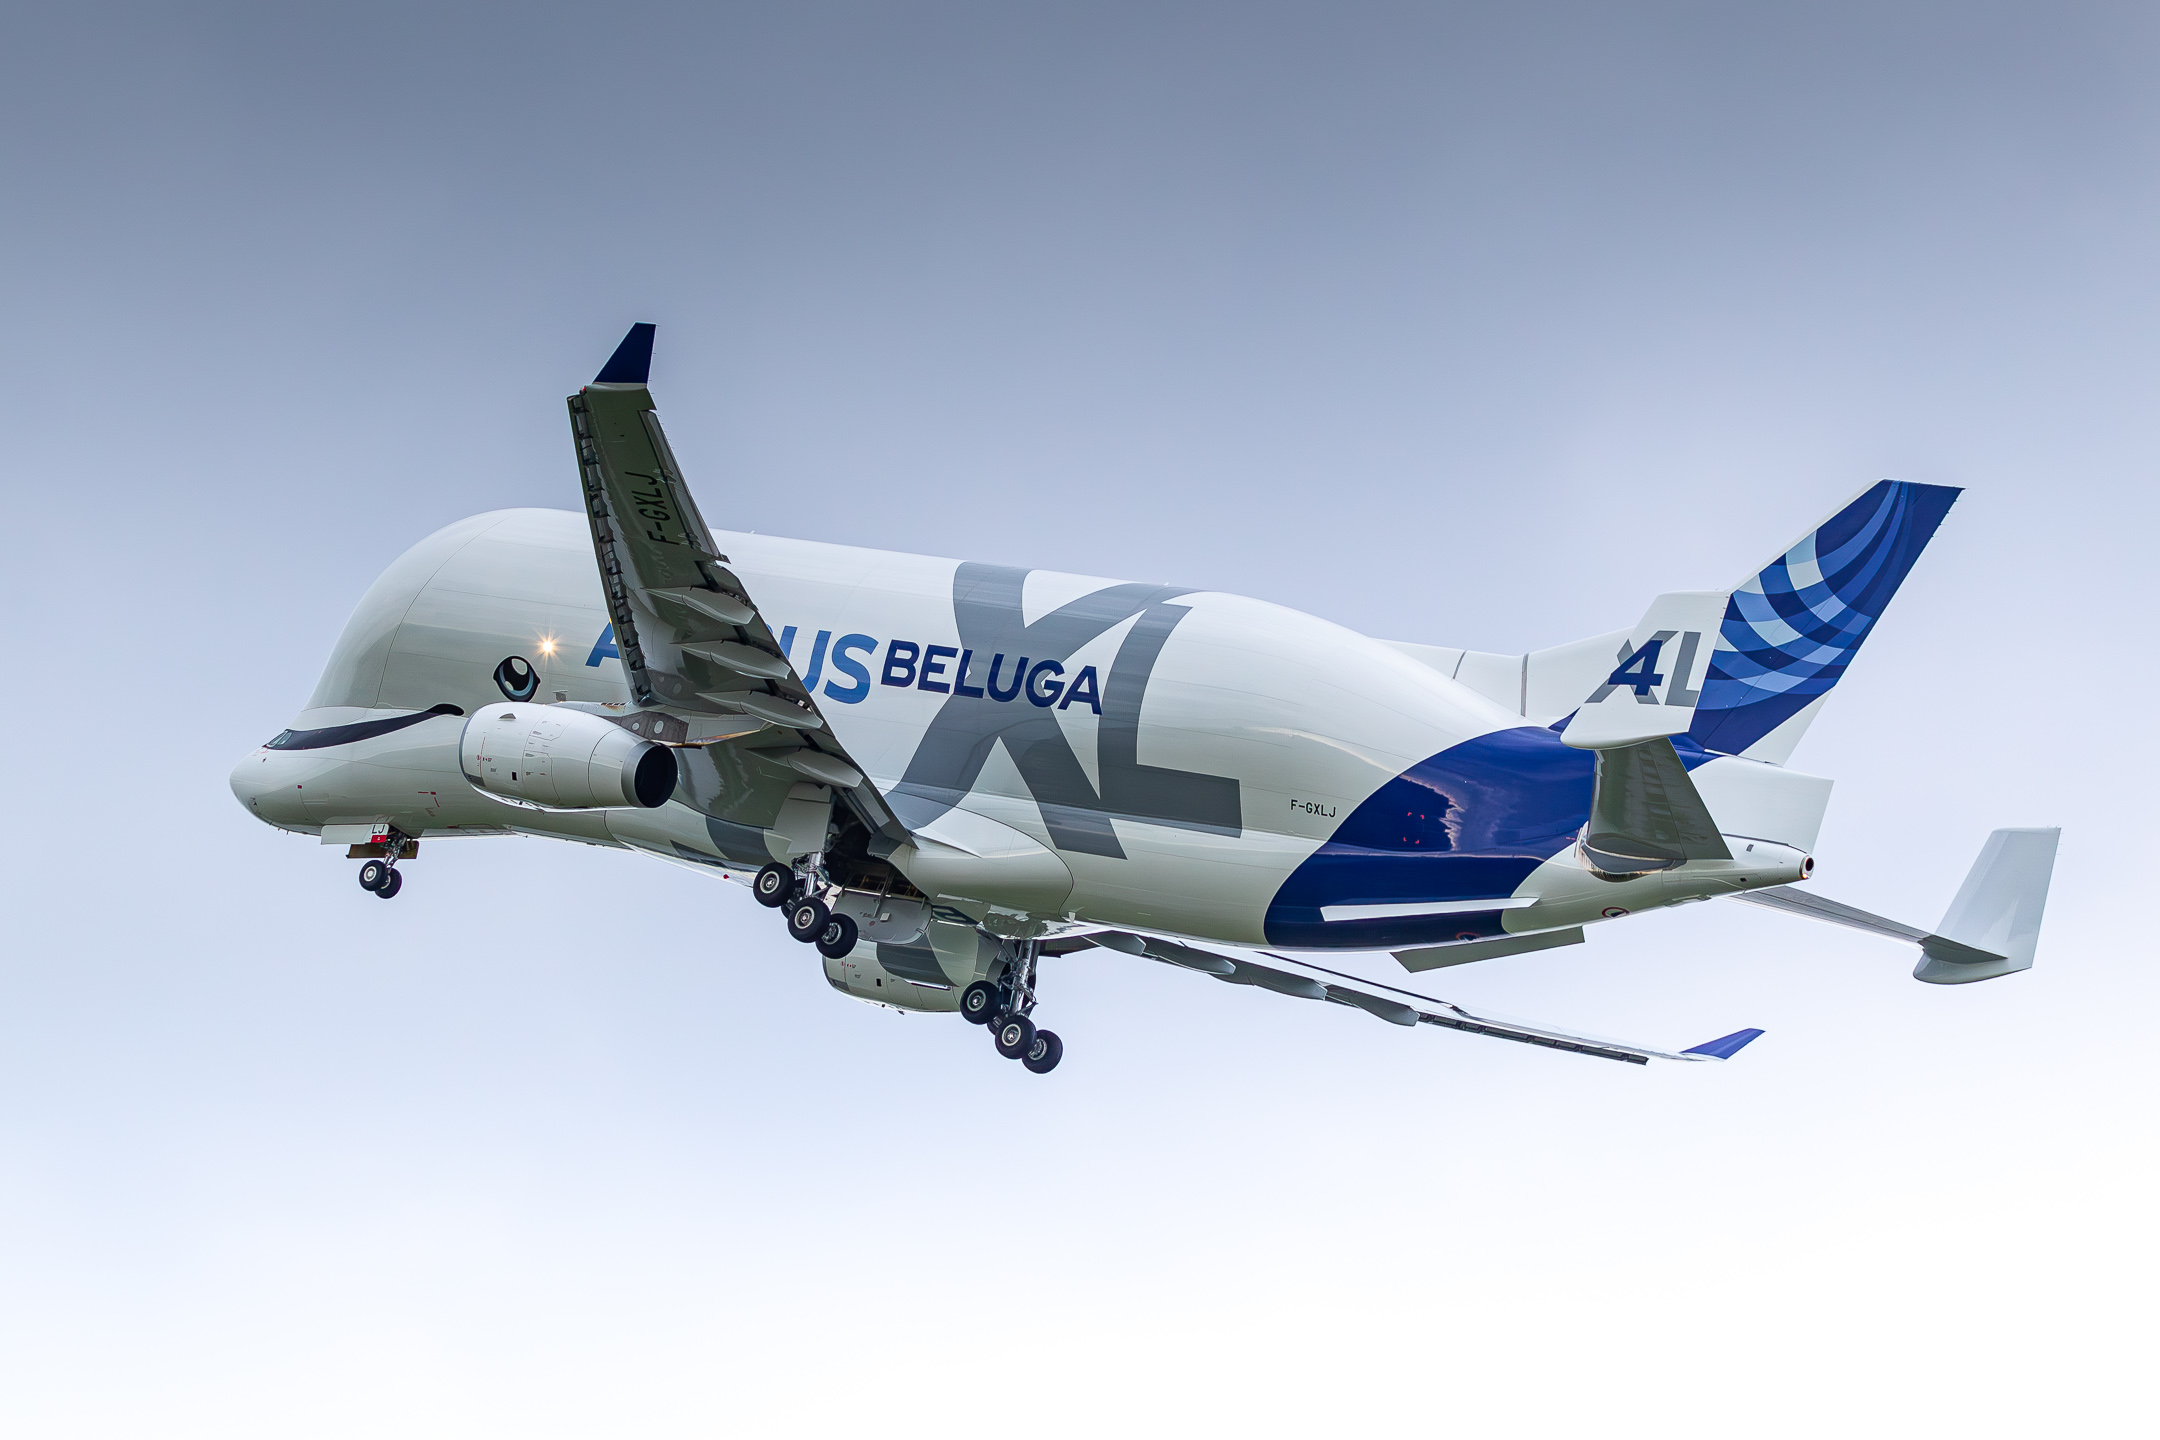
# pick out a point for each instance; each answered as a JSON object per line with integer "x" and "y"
{"x": 380, "y": 875}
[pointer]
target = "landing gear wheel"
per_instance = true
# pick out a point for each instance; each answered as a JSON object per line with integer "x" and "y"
{"x": 980, "y": 1003}
{"x": 1015, "y": 1035}
{"x": 373, "y": 874}
{"x": 1042, "y": 1056}
{"x": 392, "y": 883}
{"x": 773, "y": 885}
{"x": 838, "y": 937}
{"x": 806, "y": 921}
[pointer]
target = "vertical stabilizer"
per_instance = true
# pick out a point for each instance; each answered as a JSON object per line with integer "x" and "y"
{"x": 1792, "y": 628}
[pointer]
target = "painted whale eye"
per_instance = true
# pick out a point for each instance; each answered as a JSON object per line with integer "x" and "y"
{"x": 516, "y": 678}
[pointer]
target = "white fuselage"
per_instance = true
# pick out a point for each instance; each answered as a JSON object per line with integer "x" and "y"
{"x": 1182, "y": 771}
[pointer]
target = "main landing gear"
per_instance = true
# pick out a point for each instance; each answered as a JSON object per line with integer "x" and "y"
{"x": 809, "y": 919}
{"x": 1005, "y": 1008}
{"x": 1004, "y": 1005}
{"x": 381, "y": 875}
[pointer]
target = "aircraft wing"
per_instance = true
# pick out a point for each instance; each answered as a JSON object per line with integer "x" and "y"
{"x": 695, "y": 647}
{"x": 1407, "y": 1008}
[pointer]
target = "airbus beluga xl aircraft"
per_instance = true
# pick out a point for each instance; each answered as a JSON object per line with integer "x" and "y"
{"x": 940, "y": 772}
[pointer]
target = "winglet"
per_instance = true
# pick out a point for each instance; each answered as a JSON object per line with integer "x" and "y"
{"x": 1724, "y": 1047}
{"x": 631, "y": 364}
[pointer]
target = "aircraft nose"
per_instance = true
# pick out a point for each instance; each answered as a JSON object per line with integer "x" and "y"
{"x": 266, "y": 790}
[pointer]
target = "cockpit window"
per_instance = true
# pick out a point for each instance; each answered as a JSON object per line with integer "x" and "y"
{"x": 359, "y": 730}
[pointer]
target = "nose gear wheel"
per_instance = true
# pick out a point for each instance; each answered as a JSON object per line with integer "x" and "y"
{"x": 381, "y": 877}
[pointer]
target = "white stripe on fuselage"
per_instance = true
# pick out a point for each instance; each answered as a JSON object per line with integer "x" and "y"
{"x": 1439, "y": 907}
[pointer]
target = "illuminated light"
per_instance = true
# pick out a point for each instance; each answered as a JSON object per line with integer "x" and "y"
{"x": 547, "y": 647}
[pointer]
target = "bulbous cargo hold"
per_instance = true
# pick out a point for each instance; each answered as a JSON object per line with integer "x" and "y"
{"x": 563, "y": 759}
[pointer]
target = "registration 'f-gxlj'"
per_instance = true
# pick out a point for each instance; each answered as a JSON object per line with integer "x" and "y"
{"x": 940, "y": 772}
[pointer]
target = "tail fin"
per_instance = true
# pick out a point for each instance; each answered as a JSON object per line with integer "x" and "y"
{"x": 1791, "y": 630}
{"x": 1648, "y": 693}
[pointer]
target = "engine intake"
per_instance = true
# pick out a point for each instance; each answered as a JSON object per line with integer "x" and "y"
{"x": 563, "y": 759}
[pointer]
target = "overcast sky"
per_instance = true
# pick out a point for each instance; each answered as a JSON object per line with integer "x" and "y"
{"x": 1475, "y": 326}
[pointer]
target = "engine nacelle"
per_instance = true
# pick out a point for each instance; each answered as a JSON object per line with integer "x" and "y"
{"x": 562, "y": 759}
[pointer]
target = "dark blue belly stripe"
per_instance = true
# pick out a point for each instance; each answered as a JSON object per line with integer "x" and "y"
{"x": 1470, "y": 823}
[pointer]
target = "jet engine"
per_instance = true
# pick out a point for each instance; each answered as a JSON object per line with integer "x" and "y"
{"x": 561, "y": 759}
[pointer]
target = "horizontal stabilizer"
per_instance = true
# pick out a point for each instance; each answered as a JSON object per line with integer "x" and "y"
{"x": 1422, "y": 1009}
{"x": 1991, "y": 929}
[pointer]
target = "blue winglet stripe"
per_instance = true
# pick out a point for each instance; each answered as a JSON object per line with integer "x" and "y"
{"x": 631, "y": 364}
{"x": 1725, "y": 1046}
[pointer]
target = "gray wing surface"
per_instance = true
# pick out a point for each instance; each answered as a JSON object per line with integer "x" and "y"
{"x": 693, "y": 642}
{"x": 1307, "y": 981}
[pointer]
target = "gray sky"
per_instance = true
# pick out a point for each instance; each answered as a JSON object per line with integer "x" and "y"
{"x": 1471, "y": 326}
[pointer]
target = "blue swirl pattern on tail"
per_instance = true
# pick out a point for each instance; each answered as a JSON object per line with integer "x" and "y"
{"x": 1790, "y": 632}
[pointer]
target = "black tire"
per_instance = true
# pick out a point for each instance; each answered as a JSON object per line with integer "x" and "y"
{"x": 392, "y": 883}
{"x": 838, "y": 937}
{"x": 1042, "y": 1057}
{"x": 1015, "y": 1035}
{"x": 806, "y": 920}
{"x": 373, "y": 874}
{"x": 774, "y": 886}
{"x": 980, "y": 1003}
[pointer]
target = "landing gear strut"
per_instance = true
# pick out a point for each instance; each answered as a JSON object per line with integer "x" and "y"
{"x": 1006, "y": 1008}
{"x": 381, "y": 876}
